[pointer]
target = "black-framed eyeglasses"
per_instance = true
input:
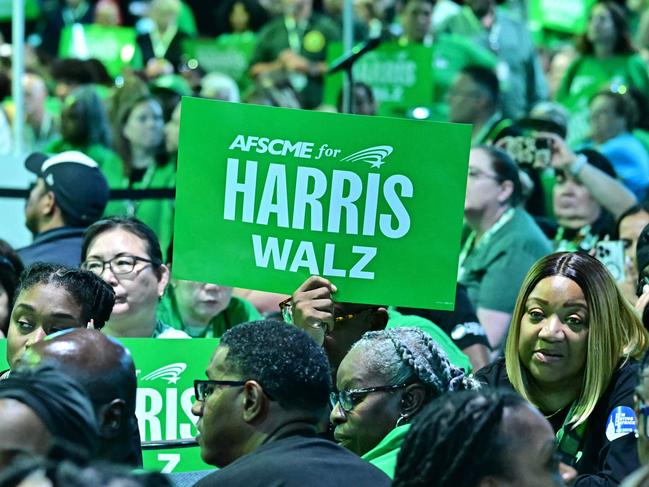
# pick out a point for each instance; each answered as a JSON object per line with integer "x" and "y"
{"x": 286, "y": 309}
{"x": 348, "y": 398}
{"x": 119, "y": 265}
{"x": 204, "y": 388}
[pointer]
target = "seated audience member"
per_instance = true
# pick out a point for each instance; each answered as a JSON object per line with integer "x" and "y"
{"x": 84, "y": 128}
{"x": 161, "y": 48}
{"x": 503, "y": 243}
{"x": 219, "y": 86}
{"x": 202, "y": 309}
{"x": 267, "y": 391}
{"x": 642, "y": 290}
{"x": 295, "y": 44}
{"x": 70, "y": 193}
{"x": 461, "y": 325}
{"x": 640, "y": 478}
{"x": 478, "y": 438}
{"x": 40, "y": 126}
{"x": 41, "y": 408}
{"x": 383, "y": 383}
{"x": 629, "y": 227}
{"x": 570, "y": 352}
{"x": 106, "y": 371}
{"x": 474, "y": 97}
{"x": 52, "y": 298}
{"x": 126, "y": 254}
{"x": 337, "y": 325}
{"x": 10, "y": 268}
{"x": 52, "y": 473}
{"x": 587, "y": 198}
{"x": 612, "y": 118}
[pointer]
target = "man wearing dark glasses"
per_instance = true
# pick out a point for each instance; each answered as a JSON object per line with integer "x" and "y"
{"x": 267, "y": 390}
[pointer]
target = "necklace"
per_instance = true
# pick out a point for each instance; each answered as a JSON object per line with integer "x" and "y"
{"x": 553, "y": 414}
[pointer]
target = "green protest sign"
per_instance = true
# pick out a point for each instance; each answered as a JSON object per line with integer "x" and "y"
{"x": 113, "y": 46}
{"x": 229, "y": 54}
{"x": 165, "y": 370}
{"x": 401, "y": 77}
{"x": 570, "y": 16}
{"x": 268, "y": 196}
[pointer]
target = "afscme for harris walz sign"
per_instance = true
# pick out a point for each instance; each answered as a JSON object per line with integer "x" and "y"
{"x": 268, "y": 196}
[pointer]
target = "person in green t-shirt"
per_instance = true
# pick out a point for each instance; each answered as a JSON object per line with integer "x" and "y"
{"x": 607, "y": 57}
{"x": 383, "y": 382}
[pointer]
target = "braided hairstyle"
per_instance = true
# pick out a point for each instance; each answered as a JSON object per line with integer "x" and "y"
{"x": 410, "y": 355}
{"x": 95, "y": 297}
{"x": 457, "y": 440}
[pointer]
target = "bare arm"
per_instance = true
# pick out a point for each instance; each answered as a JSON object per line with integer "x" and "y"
{"x": 495, "y": 324}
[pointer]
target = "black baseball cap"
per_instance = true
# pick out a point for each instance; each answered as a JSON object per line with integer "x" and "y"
{"x": 80, "y": 188}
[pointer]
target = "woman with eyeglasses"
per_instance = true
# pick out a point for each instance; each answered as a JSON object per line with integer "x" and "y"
{"x": 126, "y": 254}
{"x": 51, "y": 298}
{"x": 383, "y": 382}
{"x": 571, "y": 352}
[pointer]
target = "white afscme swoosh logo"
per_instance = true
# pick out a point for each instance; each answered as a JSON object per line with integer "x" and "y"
{"x": 170, "y": 373}
{"x": 372, "y": 155}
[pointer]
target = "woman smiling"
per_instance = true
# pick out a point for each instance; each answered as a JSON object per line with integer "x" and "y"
{"x": 570, "y": 352}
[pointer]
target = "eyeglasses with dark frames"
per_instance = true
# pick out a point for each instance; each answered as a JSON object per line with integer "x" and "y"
{"x": 204, "y": 388}
{"x": 348, "y": 398}
{"x": 119, "y": 265}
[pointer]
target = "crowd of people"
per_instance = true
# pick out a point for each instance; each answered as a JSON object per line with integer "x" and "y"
{"x": 538, "y": 377}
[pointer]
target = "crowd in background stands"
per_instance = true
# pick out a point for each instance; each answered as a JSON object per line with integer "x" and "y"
{"x": 540, "y": 375}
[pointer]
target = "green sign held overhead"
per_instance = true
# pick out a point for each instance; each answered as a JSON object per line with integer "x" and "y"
{"x": 165, "y": 370}
{"x": 267, "y": 197}
{"x": 401, "y": 77}
{"x": 228, "y": 54}
{"x": 569, "y": 16}
{"x": 113, "y": 46}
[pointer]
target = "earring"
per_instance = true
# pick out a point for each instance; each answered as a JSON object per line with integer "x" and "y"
{"x": 403, "y": 419}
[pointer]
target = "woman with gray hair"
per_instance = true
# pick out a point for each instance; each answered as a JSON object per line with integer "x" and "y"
{"x": 386, "y": 378}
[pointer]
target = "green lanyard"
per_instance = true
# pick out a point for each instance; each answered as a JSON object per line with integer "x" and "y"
{"x": 569, "y": 440}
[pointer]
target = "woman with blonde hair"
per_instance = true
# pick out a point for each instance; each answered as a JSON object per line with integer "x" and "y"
{"x": 571, "y": 352}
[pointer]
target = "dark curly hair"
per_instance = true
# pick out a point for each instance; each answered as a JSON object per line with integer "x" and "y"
{"x": 95, "y": 297}
{"x": 289, "y": 365}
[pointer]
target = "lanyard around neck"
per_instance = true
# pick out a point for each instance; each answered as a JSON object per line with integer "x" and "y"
{"x": 486, "y": 237}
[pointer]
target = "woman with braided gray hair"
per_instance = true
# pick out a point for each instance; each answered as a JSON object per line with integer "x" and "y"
{"x": 386, "y": 378}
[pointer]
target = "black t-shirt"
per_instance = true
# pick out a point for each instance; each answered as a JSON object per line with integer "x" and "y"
{"x": 461, "y": 324}
{"x": 608, "y": 455}
{"x": 298, "y": 461}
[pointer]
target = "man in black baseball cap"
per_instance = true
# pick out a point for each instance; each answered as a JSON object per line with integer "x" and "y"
{"x": 70, "y": 193}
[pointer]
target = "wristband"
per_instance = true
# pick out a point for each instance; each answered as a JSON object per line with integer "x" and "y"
{"x": 575, "y": 168}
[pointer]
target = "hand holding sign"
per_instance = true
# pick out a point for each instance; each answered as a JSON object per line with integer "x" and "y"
{"x": 313, "y": 307}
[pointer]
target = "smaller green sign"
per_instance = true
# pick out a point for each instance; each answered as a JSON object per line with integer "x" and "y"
{"x": 32, "y": 10}
{"x": 569, "y": 16}
{"x": 401, "y": 77}
{"x": 228, "y": 54}
{"x": 165, "y": 370}
{"x": 113, "y": 46}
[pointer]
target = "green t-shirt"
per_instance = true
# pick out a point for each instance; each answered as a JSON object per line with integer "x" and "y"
{"x": 493, "y": 269}
{"x": 108, "y": 161}
{"x": 384, "y": 455}
{"x": 586, "y": 76}
{"x": 455, "y": 355}
{"x": 238, "y": 311}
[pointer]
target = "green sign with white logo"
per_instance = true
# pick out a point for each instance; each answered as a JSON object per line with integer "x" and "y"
{"x": 165, "y": 370}
{"x": 113, "y": 46}
{"x": 269, "y": 196}
{"x": 228, "y": 54}
{"x": 401, "y": 77}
